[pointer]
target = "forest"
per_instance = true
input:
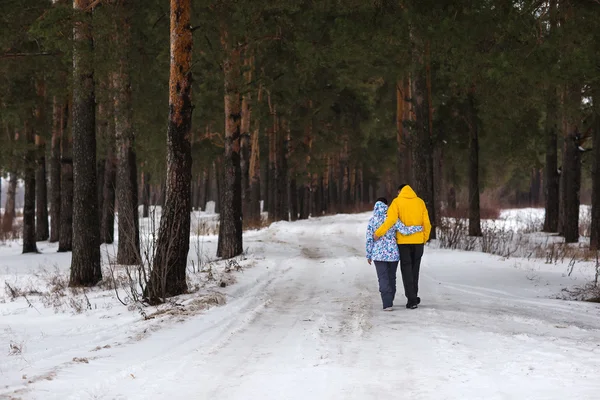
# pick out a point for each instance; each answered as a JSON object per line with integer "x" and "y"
{"x": 296, "y": 108}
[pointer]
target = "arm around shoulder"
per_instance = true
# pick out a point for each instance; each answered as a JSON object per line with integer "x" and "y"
{"x": 426, "y": 224}
{"x": 390, "y": 220}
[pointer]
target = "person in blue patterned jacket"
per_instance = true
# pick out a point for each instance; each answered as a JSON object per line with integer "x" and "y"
{"x": 384, "y": 252}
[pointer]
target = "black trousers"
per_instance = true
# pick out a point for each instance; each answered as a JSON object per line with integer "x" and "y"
{"x": 386, "y": 274}
{"x": 410, "y": 264}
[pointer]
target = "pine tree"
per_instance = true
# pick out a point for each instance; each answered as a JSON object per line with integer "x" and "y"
{"x": 65, "y": 241}
{"x": 127, "y": 195}
{"x": 41, "y": 189}
{"x": 230, "y": 227}
{"x": 168, "y": 277}
{"x": 29, "y": 242}
{"x": 85, "y": 262}
{"x": 55, "y": 185}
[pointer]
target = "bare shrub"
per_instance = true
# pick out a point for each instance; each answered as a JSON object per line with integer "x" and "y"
{"x": 130, "y": 282}
{"x": 502, "y": 241}
{"x": 463, "y": 213}
{"x": 254, "y": 224}
{"x": 453, "y": 234}
{"x": 205, "y": 226}
{"x": 14, "y": 233}
{"x": 55, "y": 280}
{"x": 15, "y": 349}
{"x": 588, "y": 292}
{"x": 12, "y": 292}
{"x": 232, "y": 265}
{"x": 52, "y": 291}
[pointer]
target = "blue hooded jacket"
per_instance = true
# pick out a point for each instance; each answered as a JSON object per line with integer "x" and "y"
{"x": 386, "y": 248}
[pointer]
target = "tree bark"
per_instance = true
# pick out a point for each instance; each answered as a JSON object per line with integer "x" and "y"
{"x": 230, "y": 228}
{"x": 595, "y": 225}
{"x": 107, "y": 222}
{"x": 274, "y": 204}
{"x": 85, "y": 262}
{"x": 403, "y": 116}
{"x": 474, "y": 210}
{"x": 253, "y": 208}
{"x": 282, "y": 171}
{"x": 65, "y": 241}
{"x": 29, "y": 242}
{"x": 294, "y": 194}
{"x": 423, "y": 145}
{"x": 551, "y": 177}
{"x": 100, "y": 173}
{"x": 10, "y": 205}
{"x": 145, "y": 195}
{"x": 572, "y": 171}
{"x": 127, "y": 188}
{"x": 246, "y": 142}
{"x": 168, "y": 277}
{"x": 42, "y": 229}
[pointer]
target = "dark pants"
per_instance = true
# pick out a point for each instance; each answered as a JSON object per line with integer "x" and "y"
{"x": 410, "y": 264}
{"x": 386, "y": 274}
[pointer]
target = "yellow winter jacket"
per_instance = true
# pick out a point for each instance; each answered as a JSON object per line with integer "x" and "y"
{"x": 412, "y": 211}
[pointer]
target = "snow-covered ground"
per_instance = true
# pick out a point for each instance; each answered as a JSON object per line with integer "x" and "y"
{"x": 304, "y": 321}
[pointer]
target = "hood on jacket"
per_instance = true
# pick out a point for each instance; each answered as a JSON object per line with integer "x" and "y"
{"x": 379, "y": 212}
{"x": 407, "y": 193}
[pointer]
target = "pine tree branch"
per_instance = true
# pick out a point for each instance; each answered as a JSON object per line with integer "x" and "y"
{"x": 93, "y": 5}
{"x": 19, "y": 55}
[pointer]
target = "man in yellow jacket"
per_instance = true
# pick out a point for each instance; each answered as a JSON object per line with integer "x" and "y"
{"x": 411, "y": 210}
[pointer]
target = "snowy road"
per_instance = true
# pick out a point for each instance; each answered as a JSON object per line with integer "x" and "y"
{"x": 306, "y": 323}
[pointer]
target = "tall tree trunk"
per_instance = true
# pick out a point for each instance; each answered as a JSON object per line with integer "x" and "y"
{"x": 10, "y": 213}
{"x": 283, "y": 171}
{"x": 571, "y": 171}
{"x": 105, "y": 140}
{"x": 100, "y": 173}
{"x": 29, "y": 242}
{"x": 55, "y": 185}
{"x": 230, "y": 228}
{"x": 85, "y": 262}
{"x": 265, "y": 193}
{"x": 253, "y": 208}
{"x": 430, "y": 199}
{"x": 10, "y": 205}
{"x": 65, "y": 241}
{"x": 551, "y": 177}
{"x": 293, "y": 196}
{"x": 168, "y": 277}
{"x": 403, "y": 116}
{"x": 423, "y": 144}
{"x": 107, "y": 222}
{"x": 595, "y": 225}
{"x": 127, "y": 188}
{"x": 474, "y": 210}
{"x": 218, "y": 166}
{"x": 274, "y": 169}
{"x": 246, "y": 142}
{"x": 145, "y": 195}
{"x": 42, "y": 230}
